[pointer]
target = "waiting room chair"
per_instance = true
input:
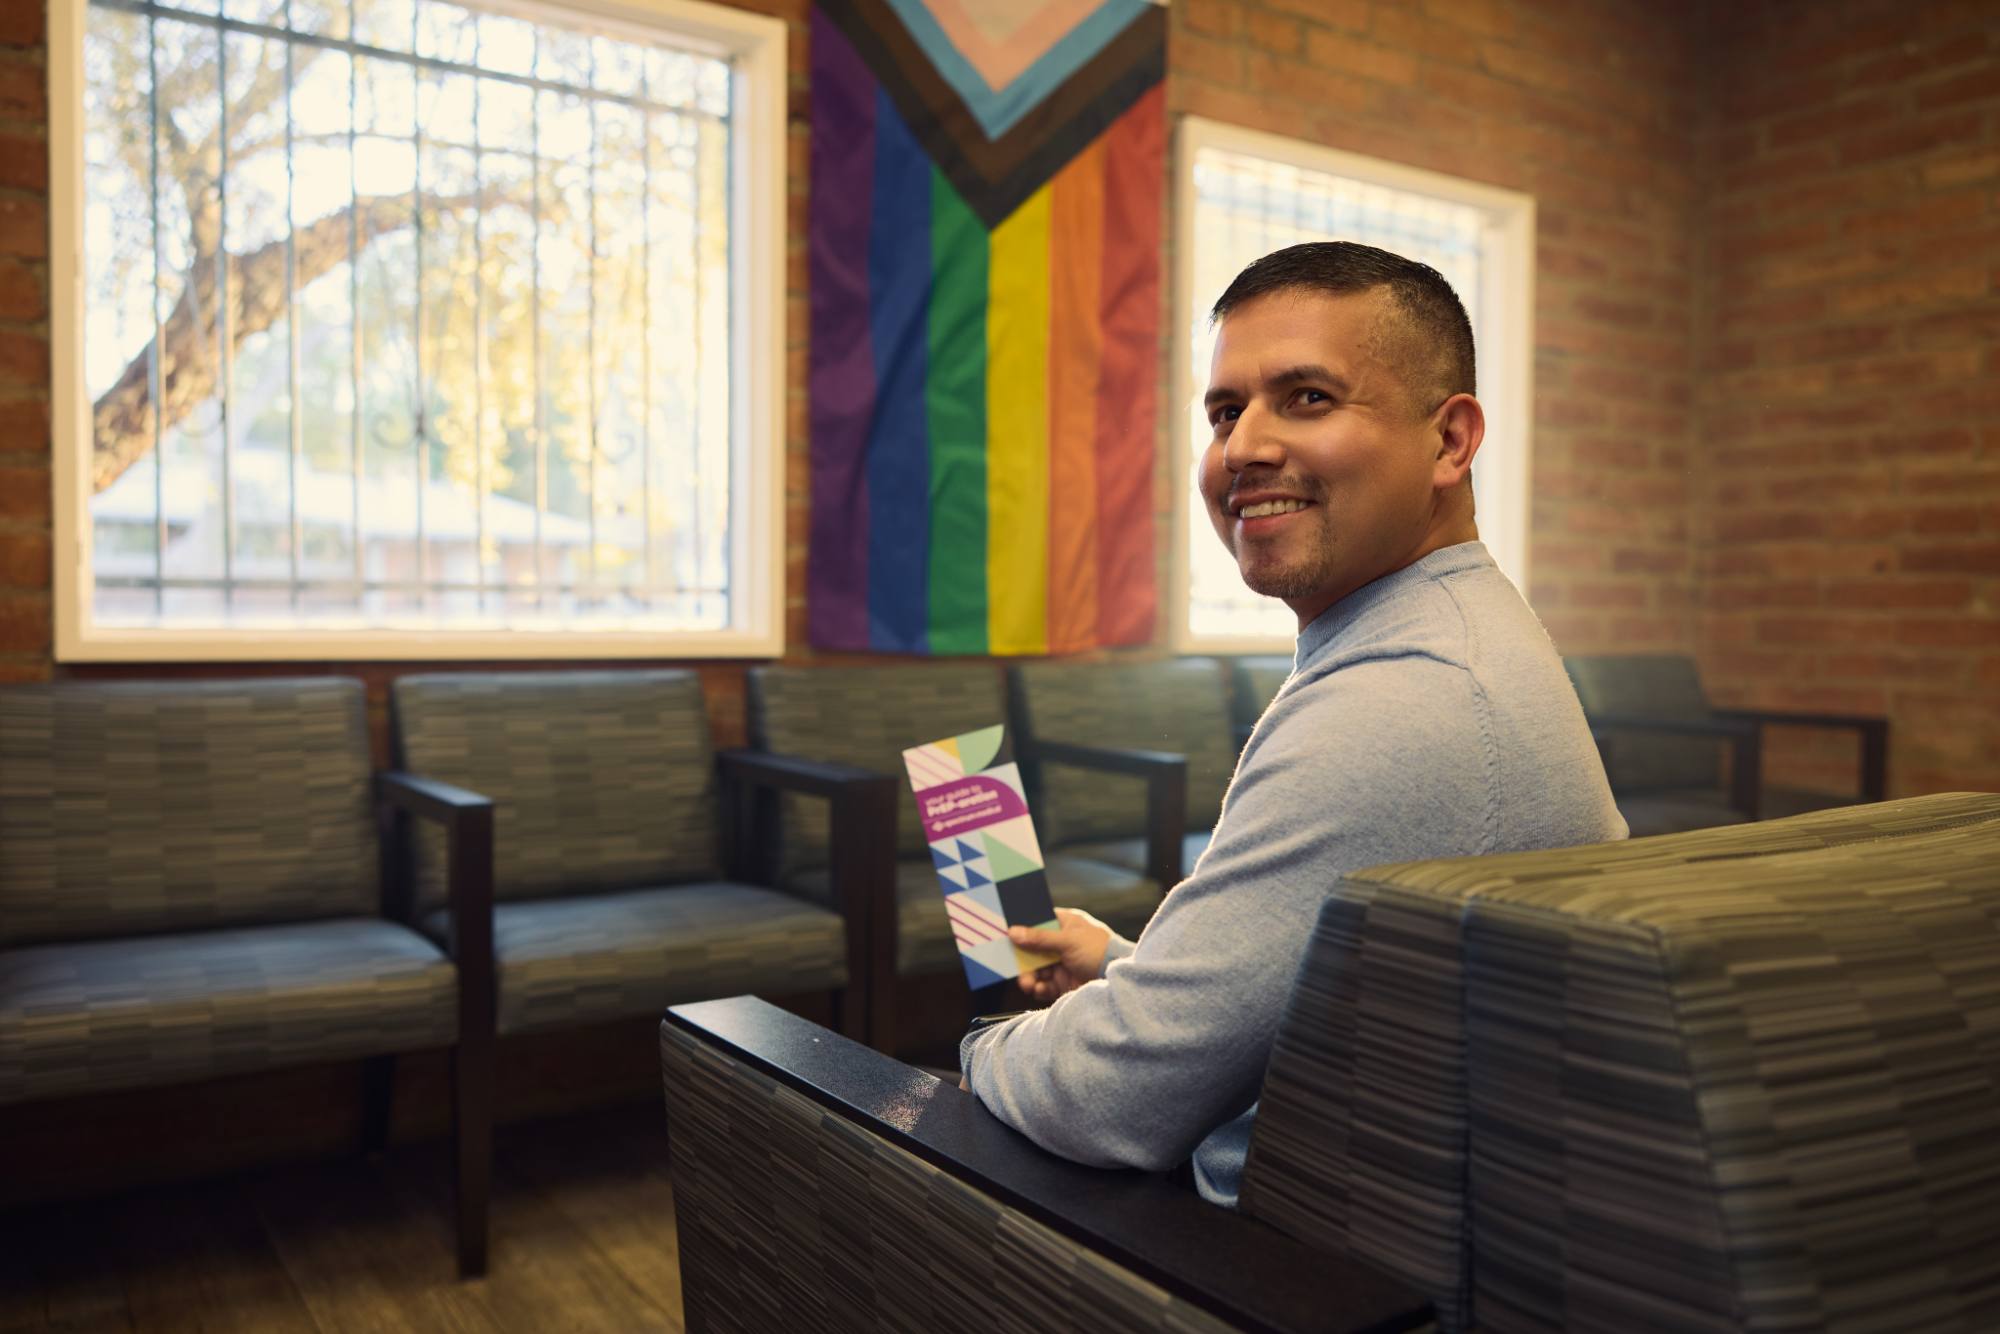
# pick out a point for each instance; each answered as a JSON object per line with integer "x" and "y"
{"x": 862, "y": 719}
{"x": 1075, "y": 719}
{"x": 1663, "y": 747}
{"x": 612, "y": 897}
{"x": 1255, "y": 682}
{"x": 1735, "y": 1078}
{"x": 190, "y": 888}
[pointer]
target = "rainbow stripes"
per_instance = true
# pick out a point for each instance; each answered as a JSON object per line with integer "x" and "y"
{"x": 984, "y": 393}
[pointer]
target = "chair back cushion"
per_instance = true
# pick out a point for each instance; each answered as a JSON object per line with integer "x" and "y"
{"x": 599, "y": 780}
{"x": 1257, "y": 681}
{"x": 1664, "y": 686}
{"x": 865, "y": 717}
{"x": 1179, "y": 705}
{"x": 1450, "y": 1013}
{"x": 133, "y": 807}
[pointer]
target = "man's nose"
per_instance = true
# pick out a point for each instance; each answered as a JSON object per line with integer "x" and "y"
{"x": 1252, "y": 441}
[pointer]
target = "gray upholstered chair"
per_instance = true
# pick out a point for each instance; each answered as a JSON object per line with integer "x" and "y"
{"x": 611, "y": 894}
{"x": 1664, "y": 744}
{"x": 1741, "y": 1077}
{"x": 862, "y": 719}
{"x": 1256, "y": 681}
{"x": 1074, "y": 718}
{"x": 190, "y": 888}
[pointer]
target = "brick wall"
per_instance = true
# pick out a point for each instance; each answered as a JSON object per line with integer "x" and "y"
{"x": 1608, "y": 111}
{"x": 1849, "y": 507}
{"x": 1590, "y": 107}
{"x": 24, "y": 349}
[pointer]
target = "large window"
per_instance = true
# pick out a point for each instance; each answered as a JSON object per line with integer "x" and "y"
{"x": 1241, "y": 195}
{"x": 406, "y": 328}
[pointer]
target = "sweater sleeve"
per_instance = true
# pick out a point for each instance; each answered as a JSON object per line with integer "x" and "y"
{"x": 1135, "y": 1068}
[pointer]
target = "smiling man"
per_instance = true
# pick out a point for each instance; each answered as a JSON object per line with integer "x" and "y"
{"x": 1427, "y": 715}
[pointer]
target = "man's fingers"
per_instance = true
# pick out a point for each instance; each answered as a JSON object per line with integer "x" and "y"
{"x": 1037, "y": 939}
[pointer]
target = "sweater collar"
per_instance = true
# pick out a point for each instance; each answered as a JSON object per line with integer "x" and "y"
{"x": 1328, "y": 626}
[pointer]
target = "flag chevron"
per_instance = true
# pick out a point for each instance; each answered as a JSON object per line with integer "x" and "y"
{"x": 980, "y": 309}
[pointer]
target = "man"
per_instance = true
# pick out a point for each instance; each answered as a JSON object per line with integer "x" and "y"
{"x": 1427, "y": 715}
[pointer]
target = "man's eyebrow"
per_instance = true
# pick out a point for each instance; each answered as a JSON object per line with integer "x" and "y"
{"x": 1292, "y": 375}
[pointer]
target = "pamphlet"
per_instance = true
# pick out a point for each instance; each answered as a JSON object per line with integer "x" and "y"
{"x": 989, "y": 864}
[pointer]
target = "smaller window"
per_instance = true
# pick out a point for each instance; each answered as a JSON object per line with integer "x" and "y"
{"x": 1241, "y": 195}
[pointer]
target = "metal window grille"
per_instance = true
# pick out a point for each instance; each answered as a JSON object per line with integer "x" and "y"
{"x": 1246, "y": 207}
{"x": 402, "y": 314}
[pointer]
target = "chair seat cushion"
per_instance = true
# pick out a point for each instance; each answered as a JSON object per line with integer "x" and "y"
{"x": 1130, "y": 853}
{"x": 93, "y": 1016}
{"x": 1123, "y": 898}
{"x": 586, "y": 958}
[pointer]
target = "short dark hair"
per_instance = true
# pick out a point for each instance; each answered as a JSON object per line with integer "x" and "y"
{"x": 1434, "y": 359}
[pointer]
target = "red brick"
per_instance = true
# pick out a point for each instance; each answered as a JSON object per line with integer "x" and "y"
{"x": 24, "y": 494}
{"x": 21, "y": 293}
{"x": 1910, "y": 138}
{"x": 24, "y": 162}
{"x": 1216, "y": 18}
{"x": 1898, "y": 594}
{"x": 1275, "y": 32}
{"x": 1206, "y": 58}
{"x": 24, "y": 228}
{"x": 1349, "y": 14}
{"x": 24, "y": 560}
{"x": 21, "y": 24}
{"x": 24, "y": 623}
{"x": 1363, "y": 60}
{"x": 1973, "y": 86}
{"x": 1970, "y": 558}
{"x": 1841, "y": 117}
{"x": 22, "y": 93}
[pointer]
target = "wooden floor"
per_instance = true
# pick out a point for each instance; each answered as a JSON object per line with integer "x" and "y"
{"x": 583, "y": 1239}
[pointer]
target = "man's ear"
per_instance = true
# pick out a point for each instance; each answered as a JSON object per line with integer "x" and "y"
{"x": 1459, "y": 425}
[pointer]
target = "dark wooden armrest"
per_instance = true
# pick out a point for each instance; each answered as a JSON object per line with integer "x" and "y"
{"x": 1239, "y": 1268}
{"x": 1112, "y": 759}
{"x": 427, "y": 797}
{"x": 862, "y": 850}
{"x": 1166, "y": 796}
{"x": 793, "y": 773}
{"x": 1873, "y": 730}
{"x": 1746, "y": 753}
{"x": 467, "y": 818}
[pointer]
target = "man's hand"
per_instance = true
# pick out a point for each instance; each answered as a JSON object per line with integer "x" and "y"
{"x": 1078, "y": 942}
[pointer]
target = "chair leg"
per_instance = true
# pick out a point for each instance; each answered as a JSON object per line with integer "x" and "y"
{"x": 882, "y": 1013}
{"x": 472, "y": 1133}
{"x": 378, "y": 1101}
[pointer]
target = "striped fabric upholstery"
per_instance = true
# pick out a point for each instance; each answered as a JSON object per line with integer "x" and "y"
{"x": 135, "y": 807}
{"x": 563, "y": 962}
{"x": 1258, "y": 680}
{"x": 1665, "y": 686}
{"x": 865, "y": 717}
{"x": 1176, "y": 705}
{"x": 599, "y": 780}
{"x": 791, "y": 1218}
{"x": 1659, "y": 1067}
{"x": 1130, "y": 853}
{"x": 94, "y": 1016}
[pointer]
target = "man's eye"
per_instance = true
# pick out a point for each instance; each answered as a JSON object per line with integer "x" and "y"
{"x": 1312, "y": 398}
{"x": 1226, "y": 413}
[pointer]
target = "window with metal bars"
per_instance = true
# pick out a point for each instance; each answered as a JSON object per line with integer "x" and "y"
{"x": 1244, "y": 195}
{"x": 404, "y": 316}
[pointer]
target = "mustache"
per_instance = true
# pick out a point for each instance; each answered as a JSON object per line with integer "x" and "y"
{"x": 1306, "y": 488}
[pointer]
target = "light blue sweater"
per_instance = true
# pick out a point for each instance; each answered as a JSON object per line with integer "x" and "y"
{"x": 1427, "y": 715}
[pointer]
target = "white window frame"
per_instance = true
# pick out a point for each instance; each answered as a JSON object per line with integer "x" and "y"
{"x": 757, "y": 204}
{"x": 1505, "y": 338}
